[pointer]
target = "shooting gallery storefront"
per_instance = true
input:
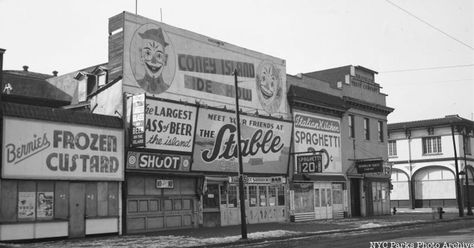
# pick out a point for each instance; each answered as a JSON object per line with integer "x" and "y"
{"x": 161, "y": 192}
{"x": 61, "y": 173}
{"x": 318, "y": 189}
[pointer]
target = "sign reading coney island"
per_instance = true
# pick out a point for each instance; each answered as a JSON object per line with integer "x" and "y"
{"x": 317, "y": 133}
{"x": 177, "y": 64}
{"x": 35, "y": 149}
{"x": 169, "y": 126}
{"x": 265, "y": 143}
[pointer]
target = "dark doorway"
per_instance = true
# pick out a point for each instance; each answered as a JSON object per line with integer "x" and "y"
{"x": 355, "y": 197}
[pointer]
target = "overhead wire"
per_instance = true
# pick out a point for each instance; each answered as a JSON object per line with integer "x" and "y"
{"x": 430, "y": 25}
{"x": 428, "y": 68}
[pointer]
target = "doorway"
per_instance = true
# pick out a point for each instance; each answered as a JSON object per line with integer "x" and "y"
{"x": 323, "y": 200}
{"x": 77, "y": 210}
{"x": 355, "y": 197}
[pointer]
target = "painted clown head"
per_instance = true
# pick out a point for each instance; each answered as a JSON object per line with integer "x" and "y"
{"x": 152, "y": 51}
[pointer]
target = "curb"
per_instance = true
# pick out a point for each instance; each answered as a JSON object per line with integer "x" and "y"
{"x": 320, "y": 233}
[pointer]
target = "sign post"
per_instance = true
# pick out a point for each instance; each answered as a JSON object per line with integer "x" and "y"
{"x": 243, "y": 223}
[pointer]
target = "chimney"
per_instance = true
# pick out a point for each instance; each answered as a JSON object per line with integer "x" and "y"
{"x": 55, "y": 73}
{"x": 25, "y": 68}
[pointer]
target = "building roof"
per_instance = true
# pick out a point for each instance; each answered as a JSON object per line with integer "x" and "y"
{"x": 32, "y": 84}
{"x": 59, "y": 115}
{"x": 446, "y": 121}
{"x": 367, "y": 106}
{"x": 298, "y": 94}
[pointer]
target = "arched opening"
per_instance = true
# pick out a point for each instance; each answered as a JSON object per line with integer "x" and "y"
{"x": 471, "y": 186}
{"x": 400, "y": 194}
{"x": 434, "y": 186}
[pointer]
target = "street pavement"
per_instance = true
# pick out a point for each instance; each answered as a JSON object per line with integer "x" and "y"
{"x": 220, "y": 236}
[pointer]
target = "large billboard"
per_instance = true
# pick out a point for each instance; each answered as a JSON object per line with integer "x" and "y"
{"x": 177, "y": 64}
{"x": 169, "y": 126}
{"x": 314, "y": 132}
{"x": 265, "y": 143}
{"x": 34, "y": 149}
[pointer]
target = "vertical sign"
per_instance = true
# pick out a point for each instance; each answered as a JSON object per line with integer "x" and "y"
{"x": 138, "y": 120}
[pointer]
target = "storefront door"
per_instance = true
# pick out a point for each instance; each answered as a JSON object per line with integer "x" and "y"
{"x": 323, "y": 200}
{"x": 211, "y": 204}
{"x": 77, "y": 210}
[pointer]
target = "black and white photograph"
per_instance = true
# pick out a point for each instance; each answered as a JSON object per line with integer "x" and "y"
{"x": 251, "y": 123}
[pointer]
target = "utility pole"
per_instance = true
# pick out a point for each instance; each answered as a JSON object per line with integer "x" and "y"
{"x": 458, "y": 188}
{"x": 468, "y": 196}
{"x": 243, "y": 222}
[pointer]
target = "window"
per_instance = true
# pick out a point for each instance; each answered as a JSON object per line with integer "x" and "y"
{"x": 281, "y": 195}
{"x": 380, "y": 129}
{"x": 232, "y": 193}
{"x": 367, "y": 128}
{"x": 392, "y": 148}
{"x": 351, "y": 126}
{"x": 432, "y": 145}
{"x": 467, "y": 141}
{"x": 253, "y": 196}
{"x": 262, "y": 195}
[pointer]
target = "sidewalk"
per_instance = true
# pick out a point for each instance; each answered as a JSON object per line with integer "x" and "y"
{"x": 219, "y": 236}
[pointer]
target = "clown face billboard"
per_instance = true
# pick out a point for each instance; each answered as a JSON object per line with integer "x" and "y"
{"x": 265, "y": 143}
{"x": 176, "y": 64}
{"x": 317, "y": 133}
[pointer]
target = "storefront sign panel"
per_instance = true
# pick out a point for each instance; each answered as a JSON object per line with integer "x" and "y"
{"x": 265, "y": 143}
{"x": 157, "y": 161}
{"x": 34, "y": 149}
{"x": 369, "y": 167}
{"x": 314, "y": 133}
{"x": 177, "y": 64}
{"x": 138, "y": 120}
{"x": 169, "y": 126}
{"x": 309, "y": 163}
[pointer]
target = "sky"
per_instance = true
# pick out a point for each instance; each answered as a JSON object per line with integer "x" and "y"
{"x": 425, "y": 58}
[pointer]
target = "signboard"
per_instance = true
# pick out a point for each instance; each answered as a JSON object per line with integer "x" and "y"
{"x": 34, "y": 149}
{"x": 369, "y": 166}
{"x": 169, "y": 126}
{"x": 45, "y": 204}
{"x": 157, "y": 161}
{"x": 309, "y": 164}
{"x": 314, "y": 132}
{"x": 259, "y": 180}
{"x": 385, "y": 173}
{"x": 164, "y": 184}
{"x": 138, "y": 120}
{"x": 176, "y": 64}
{"x": 26, "y": 205}
{"x": 265, "y": 143}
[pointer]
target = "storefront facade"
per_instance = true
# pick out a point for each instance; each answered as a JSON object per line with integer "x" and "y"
{"x": 61, "y": 173}
{"x": 265, "y": 151}
{"x": 161, "y": 192}
{"x": 318, "y": 189}
{"x": 191, "y": 77}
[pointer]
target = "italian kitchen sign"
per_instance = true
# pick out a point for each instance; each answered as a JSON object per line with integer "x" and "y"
{"x": 34, "y": 149}
{"x": 265, "y": 143}
{"x": 169, "y": 126}
{"x": 317, "y": 133}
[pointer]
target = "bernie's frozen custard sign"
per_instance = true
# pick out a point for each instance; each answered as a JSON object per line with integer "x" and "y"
{"x": 265, "y": 143}
{"x": 169, "y": 126}
{"x": 48, "y": 150}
